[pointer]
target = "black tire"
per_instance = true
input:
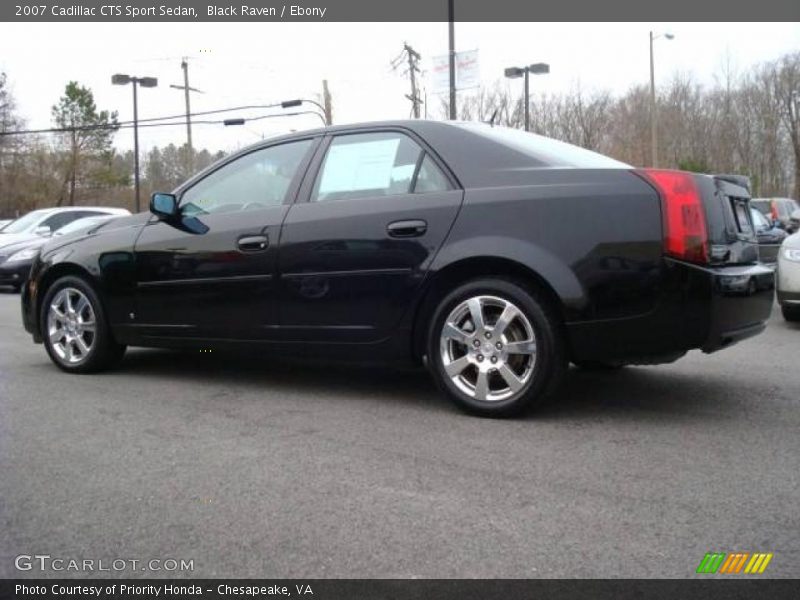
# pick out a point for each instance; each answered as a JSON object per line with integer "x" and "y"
{"x": 598, "y": 365}
{"x": 104, "y": 351}
{"x": 544, "y": 367}
{"x": 791, "y": 312}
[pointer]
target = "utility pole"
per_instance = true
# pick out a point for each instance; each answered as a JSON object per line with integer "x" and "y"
{"x": 452, "y": 46}
{"x": 186, "y": 89}
{"x": 326, "y": 101}
{"x": 413, "y": 58}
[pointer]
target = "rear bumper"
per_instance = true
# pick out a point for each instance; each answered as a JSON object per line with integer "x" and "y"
{"x": 738, "y": 304}
{"x": 706, "y": 308}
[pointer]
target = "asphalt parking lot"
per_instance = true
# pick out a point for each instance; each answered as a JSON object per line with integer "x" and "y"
{"x": 265, "y": 469}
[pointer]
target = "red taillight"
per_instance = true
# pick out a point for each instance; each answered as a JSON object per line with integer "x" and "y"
{"x": 685, "y": 233}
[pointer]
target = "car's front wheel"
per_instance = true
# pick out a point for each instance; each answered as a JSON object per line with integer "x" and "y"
{"x": 495, "y": 348}
{"x": 75, "y": 330}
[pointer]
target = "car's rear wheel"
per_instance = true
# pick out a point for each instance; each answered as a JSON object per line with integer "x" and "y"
{"x": 791, "y": 312}
{"x": 75, "y": 330}
{"x": 495, "y": 348}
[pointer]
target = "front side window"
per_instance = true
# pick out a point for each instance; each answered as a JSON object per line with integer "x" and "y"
{"x": 367, "y": 165}
{"x": 254, "y": 181}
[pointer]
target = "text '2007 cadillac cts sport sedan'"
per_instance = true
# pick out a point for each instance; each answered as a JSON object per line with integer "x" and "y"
{"x": 493, "y": 255}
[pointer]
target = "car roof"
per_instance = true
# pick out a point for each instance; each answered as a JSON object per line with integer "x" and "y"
{"x": 108, "y": 209}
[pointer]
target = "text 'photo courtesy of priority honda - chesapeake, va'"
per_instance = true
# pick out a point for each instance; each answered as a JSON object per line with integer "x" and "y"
{"x": 436, "y": 299}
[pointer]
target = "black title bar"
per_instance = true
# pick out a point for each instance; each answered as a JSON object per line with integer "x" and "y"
{"x": 397, "y": 589}
{"x": 398, "y": 10}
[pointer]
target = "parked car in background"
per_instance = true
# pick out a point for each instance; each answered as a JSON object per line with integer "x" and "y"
{"x": 492, "y": 255}
{"x": 789, "y": 277}
{"x": 4, "y": 222}
{"x": 779, "y": 211}
{"x": 16, "y": 259}
{"x": 43, "y": 222}
{"x": 769, "y": 237}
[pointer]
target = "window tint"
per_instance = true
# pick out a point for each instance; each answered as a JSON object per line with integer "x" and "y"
{"x": 366, "y": 165}
{"x": 58, "y": 220}
{"x": 430, "y": 178}
{"x": 254, "y": 181}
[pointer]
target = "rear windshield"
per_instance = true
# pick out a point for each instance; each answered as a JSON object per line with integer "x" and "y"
{"x": 545, "y": 150}
{"x": 761, "y": 205}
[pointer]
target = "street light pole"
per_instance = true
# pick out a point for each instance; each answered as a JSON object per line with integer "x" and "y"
{"x": 452, "y": 56}
{"x": 120, "y": 79}
{"x": 135, "y": 142}
{"x": 527, "y": 100}
{"x": 653, "y": 117}
{"x": 516, "y": 72}
{"x": 653, "y": 106}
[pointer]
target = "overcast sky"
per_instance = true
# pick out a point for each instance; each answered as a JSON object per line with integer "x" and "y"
{"x": 260, "y": 63}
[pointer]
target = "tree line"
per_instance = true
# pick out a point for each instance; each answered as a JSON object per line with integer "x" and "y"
{"x": 745, "y": 122}
{"x": 80, "y": 165}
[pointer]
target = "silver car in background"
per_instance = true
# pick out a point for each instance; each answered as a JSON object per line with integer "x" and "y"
{"x": 789, "y": 278}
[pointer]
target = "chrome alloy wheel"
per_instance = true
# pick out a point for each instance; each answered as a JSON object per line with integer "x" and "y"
{"x": 71, "y": 326}
{"x": 488, "y": 348}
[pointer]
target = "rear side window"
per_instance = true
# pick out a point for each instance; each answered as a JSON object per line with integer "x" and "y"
{"x": 367, "y": 165}
{"x": 430, "y": 178}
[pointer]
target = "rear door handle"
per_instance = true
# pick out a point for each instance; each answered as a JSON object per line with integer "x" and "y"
{"x": 253, "y": 243}
{"x": 402, "y": 229}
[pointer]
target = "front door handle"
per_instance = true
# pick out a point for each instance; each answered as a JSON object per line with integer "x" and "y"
{"x": 403, "y": 229}
{"x": 253, "y": 243}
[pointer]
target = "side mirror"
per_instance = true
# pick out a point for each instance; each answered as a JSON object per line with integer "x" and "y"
{"x": 164, "y": 205}
{"x": 43, "y": 230}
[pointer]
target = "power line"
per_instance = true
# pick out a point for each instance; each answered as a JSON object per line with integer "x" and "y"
{"x": 153, "y": 121}
{"x": 131, "y": 126}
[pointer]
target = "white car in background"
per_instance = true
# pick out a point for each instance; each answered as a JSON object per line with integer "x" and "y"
{"x": 43, "y": 222}
{"x": 789, "y": 277}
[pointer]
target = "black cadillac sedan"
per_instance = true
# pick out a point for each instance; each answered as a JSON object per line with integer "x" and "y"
{"x": 491, "y": 255}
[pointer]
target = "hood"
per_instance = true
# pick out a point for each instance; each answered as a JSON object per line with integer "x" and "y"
{"x": 772, "y": 236}
{"x": 793, "y": 241}
{"x": 111, "y": 226}
{"x": 10, "y": 249}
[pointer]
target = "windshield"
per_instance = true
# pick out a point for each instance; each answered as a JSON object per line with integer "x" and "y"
{"x": 759, "y": 220}
{"x": 81, "y": 224}
{"x": 25, "y": 222}
{"x": 546, "y": 150}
